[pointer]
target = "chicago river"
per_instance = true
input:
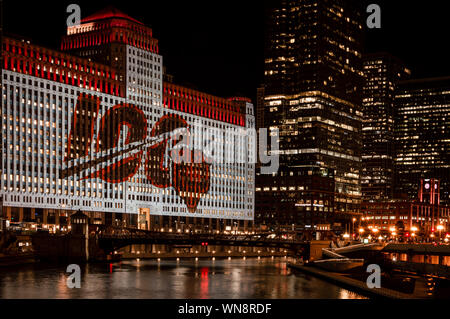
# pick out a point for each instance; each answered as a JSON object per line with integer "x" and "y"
{"x": 171, "y": 279}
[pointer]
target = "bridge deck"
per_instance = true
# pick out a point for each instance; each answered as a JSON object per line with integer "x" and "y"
{"x": 121, "y": 238}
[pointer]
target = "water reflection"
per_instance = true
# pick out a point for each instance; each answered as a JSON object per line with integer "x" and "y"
{"x": 430, "y": 286}
{"x": 204, "y": 283}
{"x": 172, "y": 279}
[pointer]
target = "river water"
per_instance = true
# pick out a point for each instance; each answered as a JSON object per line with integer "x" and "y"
{"x": 171, "y": 279}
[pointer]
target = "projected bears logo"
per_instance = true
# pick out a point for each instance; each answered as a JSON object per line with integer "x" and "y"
{"x": 186, "y": 171}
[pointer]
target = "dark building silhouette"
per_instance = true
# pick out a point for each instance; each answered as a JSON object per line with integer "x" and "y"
{"x": 312, "y": 95}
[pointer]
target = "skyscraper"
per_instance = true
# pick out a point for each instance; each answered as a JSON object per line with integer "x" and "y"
{"x": 423, "y": 135}
{"x": 313, "y": 78}
{"x": 382, "y": 73}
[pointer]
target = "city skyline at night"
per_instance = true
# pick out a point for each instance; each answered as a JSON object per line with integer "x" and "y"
{"x": 409, "y": 31}
{"x": 290, "y": 70}
{"x": 243, "y": 150}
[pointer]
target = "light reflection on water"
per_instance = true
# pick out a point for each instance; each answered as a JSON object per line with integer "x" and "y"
{"x": 171, "y": 279}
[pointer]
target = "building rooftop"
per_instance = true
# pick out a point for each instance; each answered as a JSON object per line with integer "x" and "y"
{"x": 109, "y": 13}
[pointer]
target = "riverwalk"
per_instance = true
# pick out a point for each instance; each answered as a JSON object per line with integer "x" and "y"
{"x": 352, "y": 284}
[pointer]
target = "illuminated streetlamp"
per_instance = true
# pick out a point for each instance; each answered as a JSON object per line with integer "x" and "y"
{"x": 440, "y": 228}
{"x": 361, "y": 232}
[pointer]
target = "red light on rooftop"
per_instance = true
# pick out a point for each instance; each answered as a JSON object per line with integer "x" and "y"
{"x": 109, "y": 12}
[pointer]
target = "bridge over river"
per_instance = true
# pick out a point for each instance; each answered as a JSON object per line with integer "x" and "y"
{"x": 105, "y": 240}
{"x": 113, "y": 239}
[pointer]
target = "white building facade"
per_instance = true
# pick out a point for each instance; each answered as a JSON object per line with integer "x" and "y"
{"x": 96, "y": 136}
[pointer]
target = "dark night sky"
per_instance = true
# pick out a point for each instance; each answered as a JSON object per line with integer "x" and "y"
{"x": 218, "y": 45}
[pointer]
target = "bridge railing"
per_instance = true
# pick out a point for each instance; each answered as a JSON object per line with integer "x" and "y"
{"x": 114, "y": 233}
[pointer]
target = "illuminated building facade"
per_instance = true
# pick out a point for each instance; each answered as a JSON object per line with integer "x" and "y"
{"x": 422, "y": 217}
{"x": 91, "y": 129}
{"x": 382, "y": 73}
{"x": 310, "y": 191}
{"x": 423, "y": 135}
{"x": 312, "y": 95}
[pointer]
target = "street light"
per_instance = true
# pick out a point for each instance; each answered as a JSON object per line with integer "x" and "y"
{"x": 361, "y": 232}
{"x": 440, "y": 228}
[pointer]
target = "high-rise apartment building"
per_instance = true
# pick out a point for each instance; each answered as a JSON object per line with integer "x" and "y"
{"x": 313, "y": 79}
{"x": 423, "y": 135}
{"x": 382, "y": 72}
{"x": 95, "y": 128}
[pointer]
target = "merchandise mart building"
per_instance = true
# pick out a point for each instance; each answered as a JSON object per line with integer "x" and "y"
{"x": 92, "y": 127}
